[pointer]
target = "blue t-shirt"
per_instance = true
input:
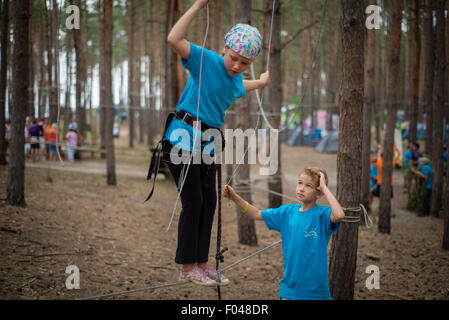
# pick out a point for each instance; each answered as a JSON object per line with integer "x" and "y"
{"x": 218, "y": 91}
{"x": 427, "y": 170}
{"x": 408, "y": 156}
{"x": 305, "y": 236}
{"x": 373, "y": 172}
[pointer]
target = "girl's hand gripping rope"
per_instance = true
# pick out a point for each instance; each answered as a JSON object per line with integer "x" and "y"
{"x": 202, "y": 3}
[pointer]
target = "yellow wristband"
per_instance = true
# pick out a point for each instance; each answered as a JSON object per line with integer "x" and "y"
{"x": 246, "y": 207}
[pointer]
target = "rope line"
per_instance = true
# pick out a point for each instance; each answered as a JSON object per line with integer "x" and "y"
{"x": 180, "y": 282}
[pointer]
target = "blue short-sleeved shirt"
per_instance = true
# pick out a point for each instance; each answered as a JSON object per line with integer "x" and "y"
{"x": 373, "y": 172}
{"x": 218, "y": 91}
{"x": 305, "y": 237}
{"x": 427, "y": 170}
{"x": 408, "y": 156}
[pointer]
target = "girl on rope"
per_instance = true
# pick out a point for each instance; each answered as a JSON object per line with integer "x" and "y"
{"x": 305, "y": 231}
{"x": 221, "y": 84}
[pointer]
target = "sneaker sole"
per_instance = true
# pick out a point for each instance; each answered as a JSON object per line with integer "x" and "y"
{"x": 206, "y": 284}
{"x": 222, "y": 283}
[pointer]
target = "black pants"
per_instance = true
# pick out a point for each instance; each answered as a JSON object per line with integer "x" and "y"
{"x": 426, "y": 202}
{"x": 199, "y": 199}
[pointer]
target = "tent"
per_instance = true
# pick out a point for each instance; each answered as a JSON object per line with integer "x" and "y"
{"x": 329, "y": 144}
{"x": 294, "y": 135}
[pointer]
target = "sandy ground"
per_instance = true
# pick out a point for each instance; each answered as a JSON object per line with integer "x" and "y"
{"x": 119, "y": 243}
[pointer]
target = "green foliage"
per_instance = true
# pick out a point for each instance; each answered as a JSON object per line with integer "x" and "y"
{"x": 416, "y": 197}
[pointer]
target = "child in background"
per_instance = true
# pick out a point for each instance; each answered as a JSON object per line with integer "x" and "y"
{"x": 374, "y": 187}
{"x": 425, "y": 173}
{"x": 305, "y": 230}
{"x": 71, "y": 141}
{"x": 52, "y": 135}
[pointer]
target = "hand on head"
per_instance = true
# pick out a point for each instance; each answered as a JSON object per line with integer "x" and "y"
{"x": 322, "y": 181}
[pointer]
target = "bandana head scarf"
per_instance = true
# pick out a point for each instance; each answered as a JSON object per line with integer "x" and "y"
{"x": 244, "y": 40}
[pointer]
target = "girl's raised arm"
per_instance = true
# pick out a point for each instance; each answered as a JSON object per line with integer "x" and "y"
{"x": 176, "y": 37}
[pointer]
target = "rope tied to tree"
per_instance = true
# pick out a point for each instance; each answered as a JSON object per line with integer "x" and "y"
{"x": 356, "y": 219}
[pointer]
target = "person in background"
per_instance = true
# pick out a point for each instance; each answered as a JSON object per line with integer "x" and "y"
{"x": 71, "y": 140}
{"x": 52, "y": 135}
{"x": 35, "y": 132}
{"x": 425, "y": 173}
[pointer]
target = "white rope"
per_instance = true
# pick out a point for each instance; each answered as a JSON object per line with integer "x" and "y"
{"x": 356, "y": 219}
{"x": 181, "y": 282}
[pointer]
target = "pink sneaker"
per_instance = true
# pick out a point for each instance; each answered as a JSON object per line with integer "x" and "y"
{"x": 212, "y": 273}
{"x": 198, "y": 276}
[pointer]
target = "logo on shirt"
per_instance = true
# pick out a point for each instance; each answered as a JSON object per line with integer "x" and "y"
{"x": 310, "y": 233}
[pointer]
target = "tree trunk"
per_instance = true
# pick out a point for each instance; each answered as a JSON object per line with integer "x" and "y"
{"x": 246, "y": 227}
{"x": 416, "y": 66}
{"x": 429, "y": 72}
{"x": 107, "y": 74}
{"x": 274, "y": 102}
{"x": 387, "y": 168}
{"x": 343, "y": 254}
{"x": 171, "y": 78}
{"x": 16, "y": 170}
{"x": 101, "y": 43}
{"x": 30, "y": 108}
{"x": 42, "y": 88}
{"x": 370, "y": 100}
{"x": 332, "y": 44}
{"x": 438, "y": 105}
{"x": 3, "y": 72}
{"x": 80, "y": 77}
{"x": 131, "y": 72}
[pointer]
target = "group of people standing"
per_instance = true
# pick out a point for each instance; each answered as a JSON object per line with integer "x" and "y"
{"x": 417, "y": 172}
{"x": 41, "y": 139}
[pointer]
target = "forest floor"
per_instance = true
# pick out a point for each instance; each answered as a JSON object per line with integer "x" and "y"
{"x": 118, "y": 242}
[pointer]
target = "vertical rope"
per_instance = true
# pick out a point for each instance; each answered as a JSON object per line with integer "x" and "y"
{"x": 219, "y": 255}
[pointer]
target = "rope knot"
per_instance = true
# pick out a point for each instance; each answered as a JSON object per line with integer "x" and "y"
{"x": 219, "y": 255}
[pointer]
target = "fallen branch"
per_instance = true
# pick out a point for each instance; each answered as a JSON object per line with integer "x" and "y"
{"x": 74, "y": 253}
{"x": 9, "y": 230}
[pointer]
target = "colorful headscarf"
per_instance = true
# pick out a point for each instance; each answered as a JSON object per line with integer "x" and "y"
{"x": 244, "y": 40}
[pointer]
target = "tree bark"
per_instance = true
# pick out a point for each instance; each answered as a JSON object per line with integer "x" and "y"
{"x": 387, "y": 168}
{"x": 101, "y": 74}
{"x": 107, "y": 74}
{"x": 3, "y": 72}
{"x": 429, "y": 72}
{"x": 246, "y": 227}
{"x": 370, "y": 101}
{"x": 274, "y": 102}
{"x": 16, "y": 170}
{"x": 80, "y": 76}
{"x": 332, "y": 45}
{"x": 343, "y": 254}
{"x": 438, "y": 105}
{"x": 416, "y": 66}
{"x": 131, "y": 72}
